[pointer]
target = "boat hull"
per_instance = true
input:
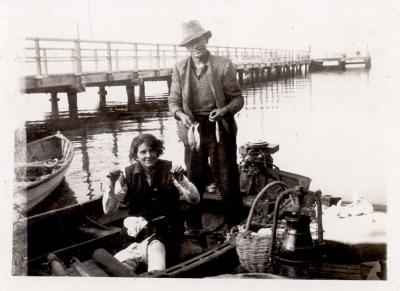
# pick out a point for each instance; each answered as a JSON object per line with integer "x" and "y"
{"x": 71, "y": 225}
{"x": 56, "y": 148}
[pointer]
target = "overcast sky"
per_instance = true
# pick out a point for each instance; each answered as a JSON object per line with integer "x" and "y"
{"x": 325, "y": 25}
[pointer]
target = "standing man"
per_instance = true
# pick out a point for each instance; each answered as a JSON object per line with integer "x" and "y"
{"x": 205, "y": 94}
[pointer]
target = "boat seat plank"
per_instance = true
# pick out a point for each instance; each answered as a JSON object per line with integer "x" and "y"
{"x": 119, "y": 215}
{"x": 100, "y": 232}
{"x": 343, "y": 272}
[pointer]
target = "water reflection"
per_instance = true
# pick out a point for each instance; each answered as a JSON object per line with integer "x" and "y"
{"x": 86, "y": 161}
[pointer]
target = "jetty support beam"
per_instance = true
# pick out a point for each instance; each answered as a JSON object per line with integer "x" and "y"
{"x": 102, "y": 94}
{"x": 130, "y": 92}
{"x": 142, "y": 93}
{"x": 368, "y": 62}
{"x": 54, "y": 104}
{"x": 169, "y": 83}
{"x": 73, "y": 104}
{"x": 240, "y": 76}
{"x": 72, "y": 94}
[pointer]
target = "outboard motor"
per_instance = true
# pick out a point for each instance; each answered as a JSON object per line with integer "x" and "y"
{"x": 256, "y": 167}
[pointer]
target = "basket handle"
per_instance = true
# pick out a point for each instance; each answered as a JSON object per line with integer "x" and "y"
{"x": 258, "y": 197}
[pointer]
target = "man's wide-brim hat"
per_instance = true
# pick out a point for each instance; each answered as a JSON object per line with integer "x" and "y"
{"x": 192, "y": 30}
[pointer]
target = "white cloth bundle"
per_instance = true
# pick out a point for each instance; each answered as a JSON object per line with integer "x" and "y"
{"x": 134, "y": 254}
{"x": 134, "y": 225}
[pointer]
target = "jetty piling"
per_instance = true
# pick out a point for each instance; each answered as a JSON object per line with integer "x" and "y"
{"x": 54, "y": 104}
{"x": 73, "y": 103}
{"x": 102, "y": 94}
{"x": 130, "y": 92}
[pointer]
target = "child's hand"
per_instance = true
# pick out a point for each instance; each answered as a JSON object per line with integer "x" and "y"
{"x": 177, "y": 172}
{"x": 114, "y": 174}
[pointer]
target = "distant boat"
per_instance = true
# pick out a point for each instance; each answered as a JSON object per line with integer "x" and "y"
{"x": 340, "y": 61}
{"x": 47, "y": 161}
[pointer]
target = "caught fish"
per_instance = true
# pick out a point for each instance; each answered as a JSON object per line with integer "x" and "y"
{"x": 190, "y": 137}
{"x": 217, "y": 136}
{"x": 196, "y": 136}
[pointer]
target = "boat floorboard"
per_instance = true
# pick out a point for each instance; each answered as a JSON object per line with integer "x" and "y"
{"x": 91, "y": 267}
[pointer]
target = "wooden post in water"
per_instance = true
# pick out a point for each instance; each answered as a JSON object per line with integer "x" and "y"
{"x": 102, "y": 94}
{"x": 252, "y": 73}
{"x": 142, "y": 93}
{"x": 73, "y": 104}
{"x": 169, "y": 83}
{"x": 130, "y": 92}
{"x": 368, "y": 62}
{"x": 278, "y": 72}
{"x": 268, "y": 73}
{"x": 257, "y": 74}
{"x": 342, "y": 64}
{"x": 54, "y": 104}
{"x": 240, "y": 73}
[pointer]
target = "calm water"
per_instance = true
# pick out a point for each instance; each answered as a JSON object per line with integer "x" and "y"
{"x": 326, "y": 124}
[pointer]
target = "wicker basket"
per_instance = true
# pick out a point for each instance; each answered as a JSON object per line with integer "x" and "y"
{"x": 254, "y": 252}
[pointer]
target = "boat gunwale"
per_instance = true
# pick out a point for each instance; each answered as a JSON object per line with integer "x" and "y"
{"x": 25, "y": 186}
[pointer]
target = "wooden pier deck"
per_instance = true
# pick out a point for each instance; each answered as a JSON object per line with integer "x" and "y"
{"x": 56, "y": 65}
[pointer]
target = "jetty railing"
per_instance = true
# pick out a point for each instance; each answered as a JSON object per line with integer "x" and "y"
{"x": 45, "y": 56}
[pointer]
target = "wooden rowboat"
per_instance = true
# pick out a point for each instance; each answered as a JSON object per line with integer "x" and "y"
{"x": 80, "y": 240}
{"x": 208, "y": 254}
{"x": 47, "y": 161}
{"x": 83, "y": 227}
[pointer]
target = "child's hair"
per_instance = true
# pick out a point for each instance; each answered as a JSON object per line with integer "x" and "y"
{"x": 148, "y": 139}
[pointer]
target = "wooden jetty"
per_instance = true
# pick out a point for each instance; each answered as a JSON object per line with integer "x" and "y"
{"x": 340, "y": 62}
{"x": 56, "y": 65}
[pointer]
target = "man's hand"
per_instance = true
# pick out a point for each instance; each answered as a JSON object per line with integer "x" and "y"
{"x": 184, "y": 118}
{"x": 216, "y": 114}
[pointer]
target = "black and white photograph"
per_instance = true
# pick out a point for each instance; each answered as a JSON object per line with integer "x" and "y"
{"x": 200, "y": 144}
